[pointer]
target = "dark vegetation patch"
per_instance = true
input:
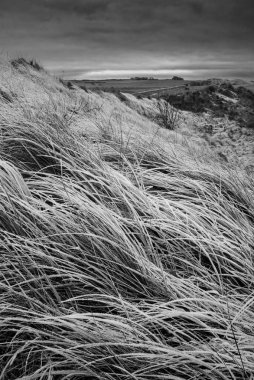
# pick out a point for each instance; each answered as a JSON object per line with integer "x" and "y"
{"x": 239, "y": 106}
{"x": 5, "y": 96}
{"x": 68, "y": 84}
{"x": 19, "y": 62}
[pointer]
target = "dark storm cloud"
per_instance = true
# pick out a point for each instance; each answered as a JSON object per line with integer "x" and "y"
{"x": 197, "y": 7}
{"x": 86, "y": 8}
{"x": 85, "y": 35}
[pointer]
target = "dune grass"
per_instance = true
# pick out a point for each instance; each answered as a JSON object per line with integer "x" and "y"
{"x": 126, "y": 251}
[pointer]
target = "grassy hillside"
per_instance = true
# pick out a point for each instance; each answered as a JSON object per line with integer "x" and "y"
{"x": 227, "y": 129}
{"x": 126, "y": 249}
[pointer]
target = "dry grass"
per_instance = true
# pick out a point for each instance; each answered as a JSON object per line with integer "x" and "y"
{"x": 126, "y": 251}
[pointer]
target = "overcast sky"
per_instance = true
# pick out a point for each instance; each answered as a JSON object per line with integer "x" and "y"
{"x": 123, "y": 38}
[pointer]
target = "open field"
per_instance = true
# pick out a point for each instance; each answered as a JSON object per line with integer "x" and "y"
{"x": 131, "y": 86}
{"x": 126, "y": 248}
{"x": 153, "y": 87}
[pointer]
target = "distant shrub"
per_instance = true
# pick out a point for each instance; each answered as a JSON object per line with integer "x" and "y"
{"x": 211, "y": 88}
{"x": 177, "y": 78}
{"x": 168, "y": 116}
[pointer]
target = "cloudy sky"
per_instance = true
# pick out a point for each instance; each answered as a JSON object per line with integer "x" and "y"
{"x": 123, "y": 38}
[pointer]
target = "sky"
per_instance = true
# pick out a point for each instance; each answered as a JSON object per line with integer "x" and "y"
{"x": 97, "y": 39}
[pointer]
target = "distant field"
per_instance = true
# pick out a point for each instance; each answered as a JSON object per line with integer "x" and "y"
{"x": 150, "y": 87}
{"x": 132, "y": 86}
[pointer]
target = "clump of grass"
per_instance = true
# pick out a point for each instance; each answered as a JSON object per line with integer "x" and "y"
{"x": 20, "y": 61}
{"x": 120, "y": 258}
{"x": 5, "y": 97}
{"x": 167, "y": 116}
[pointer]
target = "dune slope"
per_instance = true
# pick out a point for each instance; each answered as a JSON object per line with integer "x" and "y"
{"x": 126, "y": 249}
